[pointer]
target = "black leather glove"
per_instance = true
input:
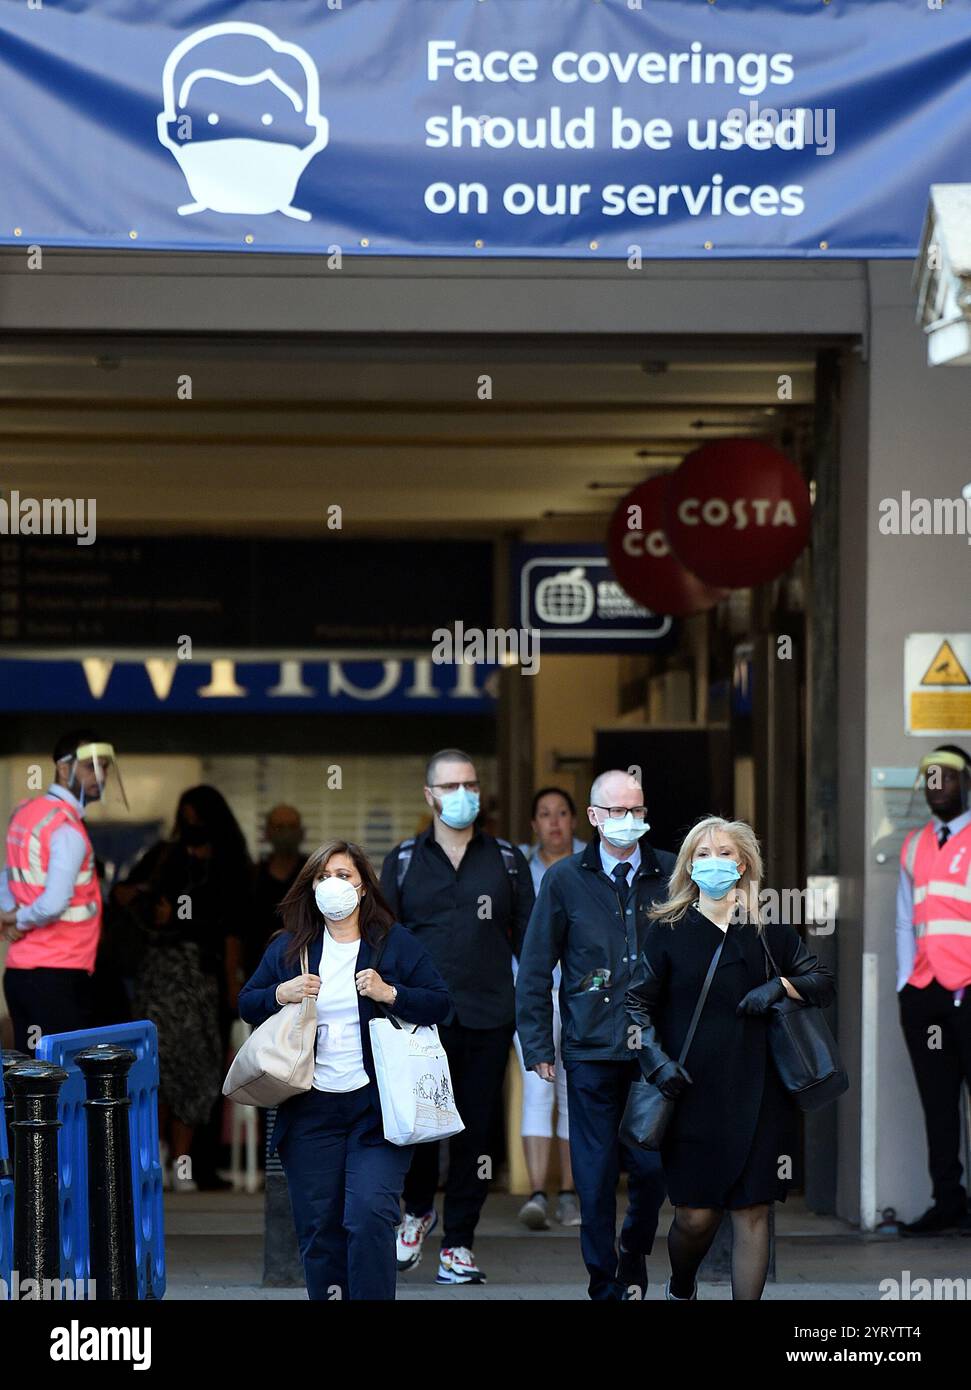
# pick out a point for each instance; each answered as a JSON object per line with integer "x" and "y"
{"x": 761, "y": 999}
{"x": 671, "y": 1080}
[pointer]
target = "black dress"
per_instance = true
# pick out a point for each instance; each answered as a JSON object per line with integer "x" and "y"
{"x": 179, "y": 984}
{"x": 735, "y": 1124}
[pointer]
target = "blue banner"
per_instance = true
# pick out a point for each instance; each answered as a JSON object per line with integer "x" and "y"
{"x": 162, "y": 684}
{"x": 626, "y": 128}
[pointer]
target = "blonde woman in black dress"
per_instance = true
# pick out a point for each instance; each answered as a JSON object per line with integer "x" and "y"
{"x": 732, "y": 1128}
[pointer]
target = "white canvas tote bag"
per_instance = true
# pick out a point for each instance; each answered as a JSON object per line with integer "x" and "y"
{"x": 276, "y": 1061}
{"x": 414, "y": 1082}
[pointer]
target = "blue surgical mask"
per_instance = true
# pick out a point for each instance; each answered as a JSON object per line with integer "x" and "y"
{"x": 715, "y": 876}
{"x": 459, "y": 808}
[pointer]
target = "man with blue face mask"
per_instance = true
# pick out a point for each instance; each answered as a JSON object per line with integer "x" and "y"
{"x": 591, "y": 916}
{"x": 467, "y": 896}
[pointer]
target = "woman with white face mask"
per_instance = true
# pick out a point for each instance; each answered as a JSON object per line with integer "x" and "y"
{"x": 345, "y": 1179}
{"x": 733, "y": 1121}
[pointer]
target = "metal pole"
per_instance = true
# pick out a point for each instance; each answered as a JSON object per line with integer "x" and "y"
{"x": 111, "y": 1220}
{"x": 36, "y": 1222}
{"x": 9, "y": 1058}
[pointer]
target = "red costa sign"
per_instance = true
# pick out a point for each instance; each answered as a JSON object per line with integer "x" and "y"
{"x": 643, "y": 561}
{"x": 737, "y": 512}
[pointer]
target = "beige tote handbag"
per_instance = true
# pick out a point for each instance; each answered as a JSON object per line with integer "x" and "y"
{"x": 277, "y": 1059}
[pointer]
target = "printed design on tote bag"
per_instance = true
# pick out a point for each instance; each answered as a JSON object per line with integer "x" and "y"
{"x": 433, "y": 1095}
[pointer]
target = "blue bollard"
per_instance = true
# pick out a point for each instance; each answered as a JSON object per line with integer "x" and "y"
{"x": 141, "y": 1037}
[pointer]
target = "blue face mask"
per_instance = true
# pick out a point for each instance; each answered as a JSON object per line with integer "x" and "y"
{"x": 459, "y": 808}
{"x": 715, "y": 876}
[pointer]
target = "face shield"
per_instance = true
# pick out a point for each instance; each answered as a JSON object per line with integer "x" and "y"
{"x": 94, "y": 775}
{"x": 926, "y": 775}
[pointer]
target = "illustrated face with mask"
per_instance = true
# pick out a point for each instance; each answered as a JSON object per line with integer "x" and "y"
{"x": 339, "y": 890}
{"x": 242, "y": 119}
{"x": 617, "y": 809}
{"x": 717, "y": 865}
{"x": 454, "y": 793}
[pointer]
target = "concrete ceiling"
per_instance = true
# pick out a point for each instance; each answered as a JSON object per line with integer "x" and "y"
{"x": 394, "y": 431}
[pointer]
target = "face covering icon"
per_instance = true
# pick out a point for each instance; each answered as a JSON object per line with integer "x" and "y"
{"x": 459, "y": 808}
{"x": 714, "y": 876}
{"x": 336, "y": 898}
{"x": 624, "y": 831}
{"x": 268, "y": 84}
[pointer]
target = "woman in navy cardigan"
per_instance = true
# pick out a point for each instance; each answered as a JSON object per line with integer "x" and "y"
{"x": 345, "y": 1179}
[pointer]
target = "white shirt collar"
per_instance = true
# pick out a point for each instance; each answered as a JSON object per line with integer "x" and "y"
{"x": 956, "y": 825}
{"x": 62, "y": 794}
{"x": 610, "y": 863}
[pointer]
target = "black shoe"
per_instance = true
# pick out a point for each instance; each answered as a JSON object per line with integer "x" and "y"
{"x": 935, "y": 1221}
{"x": 964, "y": 1225}
{"x": 632, "y": 1275}
{"x": 212, "y": 1182}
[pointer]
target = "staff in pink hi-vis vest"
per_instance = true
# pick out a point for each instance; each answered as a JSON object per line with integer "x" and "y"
{"x": 934, "y": 976}
{"x": 50, "y": 898}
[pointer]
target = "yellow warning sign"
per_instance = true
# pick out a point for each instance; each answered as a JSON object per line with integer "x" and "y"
{"x": 945, "y": 669}
{"x": 937, "y": 712}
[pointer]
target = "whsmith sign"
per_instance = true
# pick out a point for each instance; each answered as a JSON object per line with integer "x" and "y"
{"x": 249, "y": 684}
{"x": 624, "y": 128}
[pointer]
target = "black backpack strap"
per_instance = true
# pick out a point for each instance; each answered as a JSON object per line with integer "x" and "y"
{"x": 508, "y": 857}
{"x": 689, "y": 1036}
{"x": 403, "y": 863}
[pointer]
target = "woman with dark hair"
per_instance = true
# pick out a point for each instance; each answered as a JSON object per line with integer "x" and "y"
{"x": 345, "y": 1179}
{"x": 554, "y": 823}
{"x": 189, "y": 896}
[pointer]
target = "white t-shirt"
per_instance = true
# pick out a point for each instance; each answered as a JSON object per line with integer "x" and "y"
{"x": 339, "y": 1060}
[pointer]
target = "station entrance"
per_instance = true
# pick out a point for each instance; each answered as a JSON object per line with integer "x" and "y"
{"x": 306, "y": 510}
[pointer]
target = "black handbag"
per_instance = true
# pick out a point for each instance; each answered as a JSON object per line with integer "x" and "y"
{"x": 648, "y": 1111}
{"x": 804, "y": 1050}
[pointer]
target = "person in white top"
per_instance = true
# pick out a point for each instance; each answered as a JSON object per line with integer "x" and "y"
{"x": 554, "y": 822}
{"x": 345, "y": 1179}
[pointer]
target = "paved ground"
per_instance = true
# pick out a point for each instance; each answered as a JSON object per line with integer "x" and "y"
{"x": 214, "y": 1247}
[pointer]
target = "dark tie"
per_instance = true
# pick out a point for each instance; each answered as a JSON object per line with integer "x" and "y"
{"x": 943, "y": 835}
{"x": 620, "y": 872}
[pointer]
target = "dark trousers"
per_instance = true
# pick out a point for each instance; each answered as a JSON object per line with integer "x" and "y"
{"x": 477, "y": 1059}
{"x": 939, "y": 1070}
{"x": 596, "y": 1094}
{"x": 45, "y": 1000}
{"x": 345, "y": 1195}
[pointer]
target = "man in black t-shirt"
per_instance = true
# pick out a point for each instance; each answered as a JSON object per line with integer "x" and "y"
{"x": 467, "y": 896}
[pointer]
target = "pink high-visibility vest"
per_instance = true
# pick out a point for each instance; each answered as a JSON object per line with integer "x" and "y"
{"x": 70, "y": 943}
{"x": 942, "y": 906}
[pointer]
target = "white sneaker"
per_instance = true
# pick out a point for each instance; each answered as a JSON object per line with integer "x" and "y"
{"x": 458, "y": 1266}
{"x": 534, "y": 1213}
{"x": 180, "y": 1184}
{"x": 411, "y": 1237}
{"x": 673, "y": 1297}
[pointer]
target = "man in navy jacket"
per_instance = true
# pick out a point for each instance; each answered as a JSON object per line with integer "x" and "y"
{"x": 591, "y": 916}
